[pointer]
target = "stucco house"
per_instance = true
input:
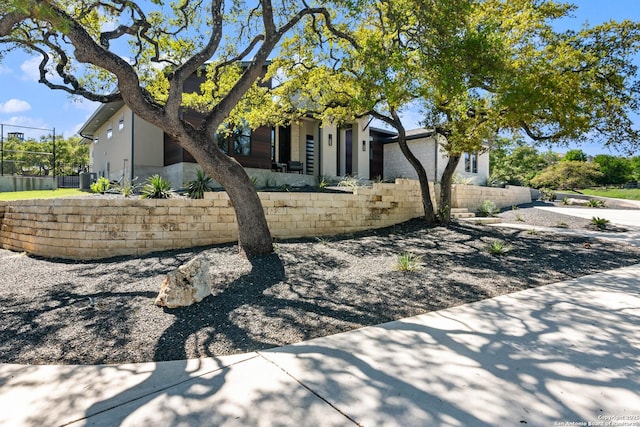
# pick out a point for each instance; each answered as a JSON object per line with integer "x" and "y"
{"x": 124, "y": 145}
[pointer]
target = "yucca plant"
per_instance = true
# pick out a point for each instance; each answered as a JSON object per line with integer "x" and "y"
{"x": 408, "y": 261}
{"x": 595, "y": 203}
{"x": 498, "y": 247}
{"x": 156, "y": 187}
{"x": 600, "y": 223}
{"x": 200, "y": 185}
{"x": 488, "y": 208}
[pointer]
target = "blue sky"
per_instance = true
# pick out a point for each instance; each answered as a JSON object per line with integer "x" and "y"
{"x": 25, "y": 102}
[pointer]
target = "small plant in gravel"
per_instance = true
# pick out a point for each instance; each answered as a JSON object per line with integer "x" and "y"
{"x": 599, "y": 223}
{"x": 562, "y": 225}
{"x": 595, "y": 203}
{"x": 349, "y": 182}
{"x": 200, "y": 185}
{"x": 519, "y": 218}
{"x": 408, "y": 261}
{"x": 323, "y": 240}
{"x": 102, "y": 185}
{"x": 565, "y": 201}
{"x": 488, "y": 208}
{"x": 547, "y": 195}
{"x": 156, "y": 187}
{"x": 323, "y": 184}
{"x": 533, "y": 232}
{"x": 127, "y": 188}
{"x": 499, "y": 247}
{"x": 514, "y": 207}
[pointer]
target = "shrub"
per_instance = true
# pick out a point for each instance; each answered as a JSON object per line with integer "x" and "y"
{"x": 156, "y": 187}
{"x": 547, "y": 195}
{"x": 488, "y": 208}
{"x": 498, "y": 247}
{"x": 200, "y": 185}
{"x": 102, "y": 185}
{"x": 350, "y": 182}
{"x": 595, "y": 203}
{"x": 568, "y": 175}
{"x": 600, "y": 223}
{"x": 408, "y": 261}
{"x": 461, "y": 180}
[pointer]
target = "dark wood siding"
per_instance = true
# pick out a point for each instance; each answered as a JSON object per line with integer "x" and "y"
{"x": 260, "y": 155}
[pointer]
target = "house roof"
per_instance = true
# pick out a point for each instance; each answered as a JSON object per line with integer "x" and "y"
{"x": 98, "y": 118}
{"x": 412, "y": 134}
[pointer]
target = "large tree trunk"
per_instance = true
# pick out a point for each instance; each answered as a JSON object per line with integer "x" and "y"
{"x": 444, "y": 204}
{"x": 427, "y": 204}
{"x": 254, "y": 237}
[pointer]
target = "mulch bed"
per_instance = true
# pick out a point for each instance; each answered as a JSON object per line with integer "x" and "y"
{"x": 63, "y": 312}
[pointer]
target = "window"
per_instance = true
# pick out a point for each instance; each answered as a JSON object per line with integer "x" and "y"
{"x": 121, "y": 123}
{"x": 239, "y": 140}
{"x": 471, "y": 162}
{"x": 242, "y": 139}
{"x": 109, "y": 132}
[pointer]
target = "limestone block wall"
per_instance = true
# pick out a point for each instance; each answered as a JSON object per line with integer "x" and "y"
{"x": 472, "y": 196}
{"x": 94, "y": 228}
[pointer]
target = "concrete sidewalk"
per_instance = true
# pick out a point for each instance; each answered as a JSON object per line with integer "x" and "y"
{"x": 629, "y": 218}
{"x": 562, "y": 354}
{"x": 567, "y": 352}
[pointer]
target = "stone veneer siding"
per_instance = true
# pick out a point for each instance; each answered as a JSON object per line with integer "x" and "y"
{"x": 85, "y": 228}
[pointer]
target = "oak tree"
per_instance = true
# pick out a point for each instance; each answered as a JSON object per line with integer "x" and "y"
{"x": 142, "y": 52}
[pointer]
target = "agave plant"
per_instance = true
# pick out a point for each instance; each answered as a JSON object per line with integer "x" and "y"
{"x": 200, "y": 185}
{"x": 156, "y": 187}
{"x": 498, "y": 247}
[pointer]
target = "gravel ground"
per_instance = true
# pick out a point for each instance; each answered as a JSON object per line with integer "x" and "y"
{"x": 62, "y": 312}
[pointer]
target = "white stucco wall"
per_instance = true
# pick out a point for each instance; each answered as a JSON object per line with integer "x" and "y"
{"x": 434, "y": 161}
{"x": 109, "y": 153}
{"x": 329, "y": 152}
{"x": 148, "y": 143}
{"x": 397, "y": 166}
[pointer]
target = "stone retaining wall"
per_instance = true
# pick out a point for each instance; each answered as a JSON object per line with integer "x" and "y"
{"x": 88, "y": 228}
{"x": 471, "y": 196}
{"x": 94, "y": 228}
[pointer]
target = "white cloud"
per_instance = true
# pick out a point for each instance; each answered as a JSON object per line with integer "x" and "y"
{"x": 5, "y": 70}
{"x": 35, "y": 128}
{"x": 14, "y": 106}
{"x": 30, "y": 69}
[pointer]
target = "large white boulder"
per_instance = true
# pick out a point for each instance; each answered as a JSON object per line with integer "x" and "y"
{"x": 190, "y": 283}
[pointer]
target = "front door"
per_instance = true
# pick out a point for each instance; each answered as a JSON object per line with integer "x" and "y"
{"x": 284, "y": 141}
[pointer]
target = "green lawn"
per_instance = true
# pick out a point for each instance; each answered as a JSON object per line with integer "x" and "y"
{"x": 41, "y": 194}
{"x": 616, "y": 193}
